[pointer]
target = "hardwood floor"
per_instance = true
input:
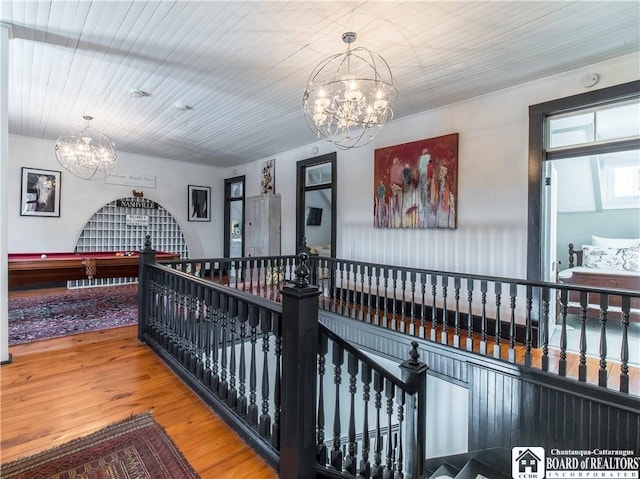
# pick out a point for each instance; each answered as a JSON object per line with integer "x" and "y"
{"x": 60, "y": 389}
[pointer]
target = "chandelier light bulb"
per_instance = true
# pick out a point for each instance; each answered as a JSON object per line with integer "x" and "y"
{"x": 348, "y": 97}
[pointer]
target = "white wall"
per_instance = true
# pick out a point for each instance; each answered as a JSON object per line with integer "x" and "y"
{"x": 80, "y": 199}
{"x": 491, "y": 237}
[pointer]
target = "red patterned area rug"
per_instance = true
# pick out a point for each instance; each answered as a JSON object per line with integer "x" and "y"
{"x": 75, "y": 311}
{"x": 135, "y": 448}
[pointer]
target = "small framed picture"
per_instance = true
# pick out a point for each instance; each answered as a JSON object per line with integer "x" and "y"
{"x": 199, "y": 203}
{"x": 40, "y": 192}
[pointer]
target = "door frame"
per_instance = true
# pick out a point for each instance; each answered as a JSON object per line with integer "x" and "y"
{"x": 301, "y": 189}
{"x": 227, "y": 212}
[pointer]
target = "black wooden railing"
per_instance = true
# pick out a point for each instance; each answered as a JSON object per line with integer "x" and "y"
{"x": 262, "y": 366}
{"x": 505, "y": 318}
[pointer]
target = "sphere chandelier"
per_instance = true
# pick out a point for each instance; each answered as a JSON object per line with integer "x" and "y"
{"x": 87, "y": 154}
{"x": 348, "y": 97}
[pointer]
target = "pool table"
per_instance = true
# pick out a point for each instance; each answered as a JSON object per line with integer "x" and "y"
{"x": 32, "y": 269}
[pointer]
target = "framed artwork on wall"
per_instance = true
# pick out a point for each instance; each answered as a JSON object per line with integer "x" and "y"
{"x": 199, "y": 203}
{"x": 40, "y": 192}
{"x": 269, "y": 176}
{"x": 416, "y": 184}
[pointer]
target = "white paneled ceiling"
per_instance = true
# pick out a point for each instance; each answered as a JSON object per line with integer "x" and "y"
{"x": 243, "y": 66}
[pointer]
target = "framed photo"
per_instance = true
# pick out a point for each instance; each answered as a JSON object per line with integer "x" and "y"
{"x": 199, "y": 203}
{"x": 416, "y": 184}
{"x": 40, "y": 192}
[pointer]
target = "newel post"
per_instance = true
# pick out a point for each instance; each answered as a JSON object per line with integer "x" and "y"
{"x": 147, "y": 256}
{"x": 299, "y": 378}
{"x": 414, "y": 374}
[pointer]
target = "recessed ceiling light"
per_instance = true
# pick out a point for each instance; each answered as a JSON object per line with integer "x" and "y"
{"x": 137, "y": 93}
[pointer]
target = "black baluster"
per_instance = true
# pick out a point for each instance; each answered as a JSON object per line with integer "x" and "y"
{"x": 528, "y": 330}
{"x": 385, "y": 318}
{"x": 602, "y": 372}
{"x": 336, "y": 452}
{"x": 377, "y": 275}
{"x": 403, "y": 309}
{"x": 444, "y": 336}
{"x": 252, "y": 409}
{"x": 545, "y": 328}
{"x": 434, "y": 307}
{"x": 513, "y": 291}
{"x": 369, "y": 280}
{"x": 208, "y": 338}
{"x": 483, "y": 318}
{"x": 251, "y": 266}
{"x": 223, "y": 387}
{"x": 334, "y": 290}
{"x": 470, "y": 315}
{"x": 457, "y": 284}
{"x": 412, "y": 324}
{"x": 399, "y": 449}
{"x": 624, "y": 347}
{"x": 351, "y": 460}
{"x": 389, "y": 391}
{"x": 423, "y": 305}
{"x": 378, "y": 387}
{"x": 201, "y": 332}
{"x": 242, "y": 366}
{"x": 341, "y": 266}
{"x": 394, "y": 301}
{"x": 582, "y": 368}
{"x": 496, "y": 347}
{"x": 277, "y": 388}
{"x": 365, "y": 466}
{"x": 215, "y": 343}
{"x": 232, "y": 396}
{"x": 562, "y": 363}
{"x": 323, "y": 348}
{"x": 349, "y": 291}
{"x": 265, "y": 328}
{"x": 361, "y": 272}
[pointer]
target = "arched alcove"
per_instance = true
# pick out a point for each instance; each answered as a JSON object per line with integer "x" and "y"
{"x": 122, "y": 225}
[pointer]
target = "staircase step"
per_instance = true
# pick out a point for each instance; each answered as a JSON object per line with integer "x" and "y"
{"x": 445, "y": 471}
{"x": 475, "y": 469}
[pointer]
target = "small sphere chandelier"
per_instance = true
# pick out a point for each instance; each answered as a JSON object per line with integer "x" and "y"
{"x": 348, "y": 97}
{"x": 87, "y": 154}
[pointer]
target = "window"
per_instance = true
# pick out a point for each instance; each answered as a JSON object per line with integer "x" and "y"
{"x": 620, "y": 179}
{"x": 620, "y": 121}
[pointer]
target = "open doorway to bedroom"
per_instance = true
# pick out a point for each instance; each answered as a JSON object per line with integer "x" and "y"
{"x": 584, "y": 190}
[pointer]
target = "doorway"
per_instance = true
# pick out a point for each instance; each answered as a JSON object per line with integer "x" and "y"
{"x": 234, "y": 217}
{"x": 316, "y": 205}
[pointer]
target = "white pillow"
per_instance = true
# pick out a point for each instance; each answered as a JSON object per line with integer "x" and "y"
{"x": 614, "y": 242}
{"x": 621, "y": 259}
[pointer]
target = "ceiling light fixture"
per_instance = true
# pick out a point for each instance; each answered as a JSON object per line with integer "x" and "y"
{"x": 87, "y": 154}
{"x": 348, "y": 97}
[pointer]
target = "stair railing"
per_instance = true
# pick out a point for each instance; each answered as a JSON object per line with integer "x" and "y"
{"x": 493, "y": 316}
{"x": 255, "y": 362}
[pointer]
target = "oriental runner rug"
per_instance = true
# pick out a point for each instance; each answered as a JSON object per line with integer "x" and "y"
{"x": 135, "y": 448}
{"x": 74, "y": 311}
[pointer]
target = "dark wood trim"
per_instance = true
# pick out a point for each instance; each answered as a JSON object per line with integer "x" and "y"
{"x": 227, "y": 212}
{"x": 537, "y": 155}
{"x": 300, "y": 195}
{"x": 8, "y": 361}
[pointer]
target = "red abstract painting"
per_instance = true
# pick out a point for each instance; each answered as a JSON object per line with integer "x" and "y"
{"x": 416, "y": 184}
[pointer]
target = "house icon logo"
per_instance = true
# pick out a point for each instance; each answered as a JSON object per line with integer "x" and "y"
{"x": 527, "y": 463}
